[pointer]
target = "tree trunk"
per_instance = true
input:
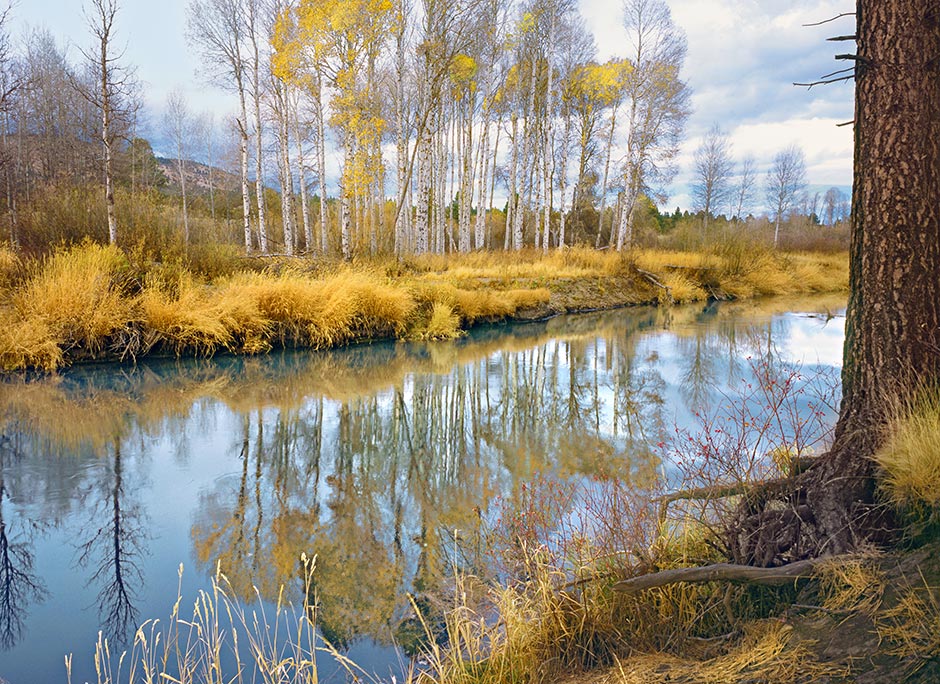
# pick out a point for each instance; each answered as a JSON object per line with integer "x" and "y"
{"x": 321, "y": 166}
{"x": 294, "y": 107}
{"x": 892, "y": 344}
{"x": 892, "y": 339}
{"x": 107, "y": 139}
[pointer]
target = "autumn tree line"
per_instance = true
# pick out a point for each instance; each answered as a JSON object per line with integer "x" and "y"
{"x": 458, "y": 125}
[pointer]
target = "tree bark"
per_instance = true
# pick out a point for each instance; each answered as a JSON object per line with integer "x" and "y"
{"x": 892, "y": 344}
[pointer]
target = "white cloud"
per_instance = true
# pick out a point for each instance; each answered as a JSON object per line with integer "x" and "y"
{"x": 744, "y": 56}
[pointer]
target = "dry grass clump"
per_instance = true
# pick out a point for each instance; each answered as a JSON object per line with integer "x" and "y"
{"x": 682, "y": 289}
{"x": 911, "y": 628}
{"x": 251, "y": 312}
{"x": 439, "y": 301}
{"x": 474, "y": 305}
{"x": 852, "y": 585}
{"x": 223, "y": 639}
{"x": 198, "y": 319}
{"x": 71, "y": 305}
{"x": 28, "y": 343}
{"x": 742, "y": 271}
{"x": 10, "y": 267}
{"x": 909, "y": 457}
{"x": 443, "y": 323}
{"x": 763, "y": 654}
{"x": 327, "y": 311}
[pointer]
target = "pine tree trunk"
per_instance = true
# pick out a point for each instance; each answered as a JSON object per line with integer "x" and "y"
{"x": 892, "y": 344}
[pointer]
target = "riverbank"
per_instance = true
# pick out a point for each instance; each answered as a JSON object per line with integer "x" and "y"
{"x": 94, "y": 303}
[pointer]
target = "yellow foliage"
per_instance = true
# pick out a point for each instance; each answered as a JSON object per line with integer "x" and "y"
{"x": 462, "y": 69}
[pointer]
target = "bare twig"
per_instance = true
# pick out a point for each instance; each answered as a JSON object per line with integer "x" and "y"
{"x": 825, "y": 81}
{"x": 835, "y": 18}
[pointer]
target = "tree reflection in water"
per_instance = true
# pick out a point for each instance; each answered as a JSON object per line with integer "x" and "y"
{"x": 388, "y": 463}
{"x": 19, "y": 584}
{"x": 114, "y": 553}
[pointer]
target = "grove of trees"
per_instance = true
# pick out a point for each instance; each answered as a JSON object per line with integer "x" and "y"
{"x": 456, "y": 126}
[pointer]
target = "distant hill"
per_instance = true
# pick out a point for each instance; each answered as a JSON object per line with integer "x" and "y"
{"x": 197, "y": 177}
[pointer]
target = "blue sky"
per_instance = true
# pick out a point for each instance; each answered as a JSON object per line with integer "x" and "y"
{"x": 744, "y": 56}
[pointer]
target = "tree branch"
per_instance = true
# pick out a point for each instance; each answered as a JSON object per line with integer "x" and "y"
{"x": 722, "y": 572}
{"x": 835, "y": 18}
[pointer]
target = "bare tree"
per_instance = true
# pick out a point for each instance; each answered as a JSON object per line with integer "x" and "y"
{"x": 743, "y": 195}
{"x": 113, "y": 94}
{"x": 833, "y": 202}
{"x": 713, "y": 169}
{"x": 216, "y": 28}
{"x": 658, "y": 103}
{"x": 785, "y": 181}
{"x": 178, "y": 125}
{"x": 114, "y": 552}
{"x": 19, "y": 583}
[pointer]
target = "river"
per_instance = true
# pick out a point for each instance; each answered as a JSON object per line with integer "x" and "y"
{"x": 375, "y": 459}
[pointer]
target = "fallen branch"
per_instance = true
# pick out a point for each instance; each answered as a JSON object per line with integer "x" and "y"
{"x": 722, "y": 572}
{"x": 654, "y": 281}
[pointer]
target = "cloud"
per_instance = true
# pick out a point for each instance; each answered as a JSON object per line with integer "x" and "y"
{"x": 743, "y": 58}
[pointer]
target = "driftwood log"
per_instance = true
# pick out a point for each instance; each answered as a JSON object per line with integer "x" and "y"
{"x": 722, "y": 572}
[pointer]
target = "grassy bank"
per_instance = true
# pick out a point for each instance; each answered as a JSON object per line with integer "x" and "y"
{"x": 89, "y": 302}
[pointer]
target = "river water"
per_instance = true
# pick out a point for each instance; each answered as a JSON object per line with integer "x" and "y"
{"x": 370, "y": 458}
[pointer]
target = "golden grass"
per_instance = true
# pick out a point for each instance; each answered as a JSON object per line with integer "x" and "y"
{"x": 250, "y": 312}
{"x": 910, "y": 453}
{"x": 764, "y": 654}
{"x": 443, "y": 323}
{"x": 576, "y": 262}
{"x": 28, "y": 343}
{"x": 82, "y": 302}
{"x": 223, "y": 639}
{"x": 911, "y": 627}
{"x": 852, "y": 585}
{"x": 73, "y": 300}
{"x": 10, "y": 266}
{"x": 682, "y": 289}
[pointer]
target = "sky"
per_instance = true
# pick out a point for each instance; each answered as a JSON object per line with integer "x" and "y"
{"x": 743, "y": 58}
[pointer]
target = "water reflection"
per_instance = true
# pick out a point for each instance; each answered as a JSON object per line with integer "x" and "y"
{"x": 373, "y": 459}
{"x": 19, "y": 583}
